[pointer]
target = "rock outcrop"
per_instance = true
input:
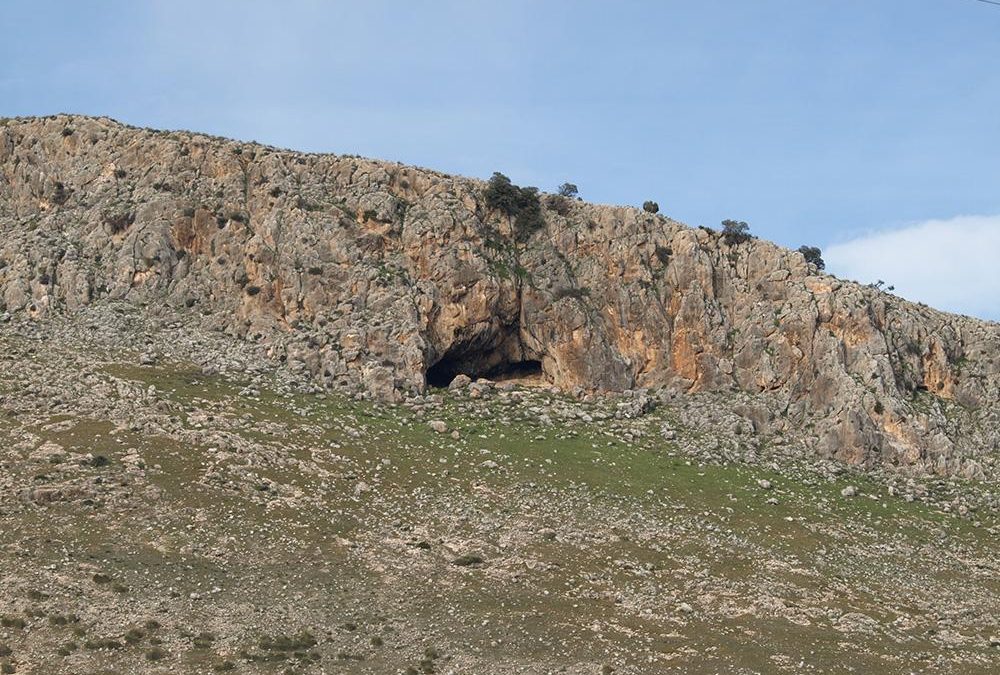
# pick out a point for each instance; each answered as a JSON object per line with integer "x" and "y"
{"x": 378, "y": 276}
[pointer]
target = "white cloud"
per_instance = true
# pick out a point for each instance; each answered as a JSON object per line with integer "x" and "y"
{"x": 951, "y": 264}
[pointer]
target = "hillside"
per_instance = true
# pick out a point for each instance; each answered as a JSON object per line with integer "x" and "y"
{"x": 376, "y": 277}
{"x": 235, "y": 435}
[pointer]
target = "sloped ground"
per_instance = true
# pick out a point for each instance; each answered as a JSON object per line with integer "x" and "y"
{"x": 374, "y": 276}
{"x": 203, "y": 513}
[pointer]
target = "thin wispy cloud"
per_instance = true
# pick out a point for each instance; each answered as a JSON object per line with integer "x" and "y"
{"x": 948, "y": 264}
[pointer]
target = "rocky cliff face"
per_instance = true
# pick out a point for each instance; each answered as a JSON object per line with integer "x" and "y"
{"x": 379, "y": 276}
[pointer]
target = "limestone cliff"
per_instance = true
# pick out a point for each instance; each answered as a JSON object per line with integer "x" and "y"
{"x": 375, "y": 275}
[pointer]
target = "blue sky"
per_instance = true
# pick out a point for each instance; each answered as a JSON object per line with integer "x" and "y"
{"x": 826, "y": 122}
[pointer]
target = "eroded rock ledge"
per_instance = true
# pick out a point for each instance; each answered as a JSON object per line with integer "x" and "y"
{"x": 378, "y": 276}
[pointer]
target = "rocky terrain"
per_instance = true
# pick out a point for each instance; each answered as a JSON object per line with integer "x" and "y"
{"x": 269, "y": 412}
{"x": 377, "y": 276}
{"x": 170, "y": 502}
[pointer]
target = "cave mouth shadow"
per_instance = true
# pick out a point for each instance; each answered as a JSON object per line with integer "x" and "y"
{"x": 444, "y": 371}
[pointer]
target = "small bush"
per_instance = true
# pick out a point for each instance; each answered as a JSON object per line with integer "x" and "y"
{"x": 576, "y": 293}
{"x": 529, "y": 218}
{"x": 735, "y": 232}
{"x": 203, "y": 640}
{"x": 650, "y": 207}
{"x": 119, "y": 222}
{"x": 520, "y": 203}
{"x": 134, "y": 636}
{"x": 567, "y": 190}
{"x": 61, "y": 194}
{"x": 559, "y": 204}
{"x": 468, "y": 560}
{"x": 813, "y": 256}
{"x": 156, "y": 654}
{"x": 285, "y": 643}
{"x": 501, "y": 194}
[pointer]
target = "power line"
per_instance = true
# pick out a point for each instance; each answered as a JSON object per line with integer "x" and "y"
{"x": 989, "y": 2}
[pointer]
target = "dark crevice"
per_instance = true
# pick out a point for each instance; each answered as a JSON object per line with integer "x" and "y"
{"x": 515, "y": 371}
{"x": 444, "y": 371}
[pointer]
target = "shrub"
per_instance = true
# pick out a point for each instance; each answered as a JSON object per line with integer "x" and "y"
{"x": 567, "y": 190}
{"x": 559, "y": 204}
{"x": 813, "y": 256}
{"x": 529, "y": 218}
{"x": 203, "y": 640}
{"x": 286, "y": 643}
{"x": 520, "y": 203}
{"x": 134, "y": 636}
{"x": 501, "y": 194}
{"x": 580, "y": 293}
{"x": 61, "y": 194}
{"x": 650, "y": 207}
{"x": 119, "y": 222}
{"x": 735, "y": 232}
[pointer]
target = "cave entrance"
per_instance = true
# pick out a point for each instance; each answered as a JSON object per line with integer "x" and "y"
{"x": 443, "y": 372}
{"x": 525, "y": 372}
{"x": 521, "y": 371}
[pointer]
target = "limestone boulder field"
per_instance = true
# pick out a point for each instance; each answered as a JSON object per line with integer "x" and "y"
{"x": 381, "y": 278}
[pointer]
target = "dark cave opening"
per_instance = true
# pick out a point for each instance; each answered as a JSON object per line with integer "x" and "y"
{"x": 444, "y": 371}
{"x": 518, "y": 370}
